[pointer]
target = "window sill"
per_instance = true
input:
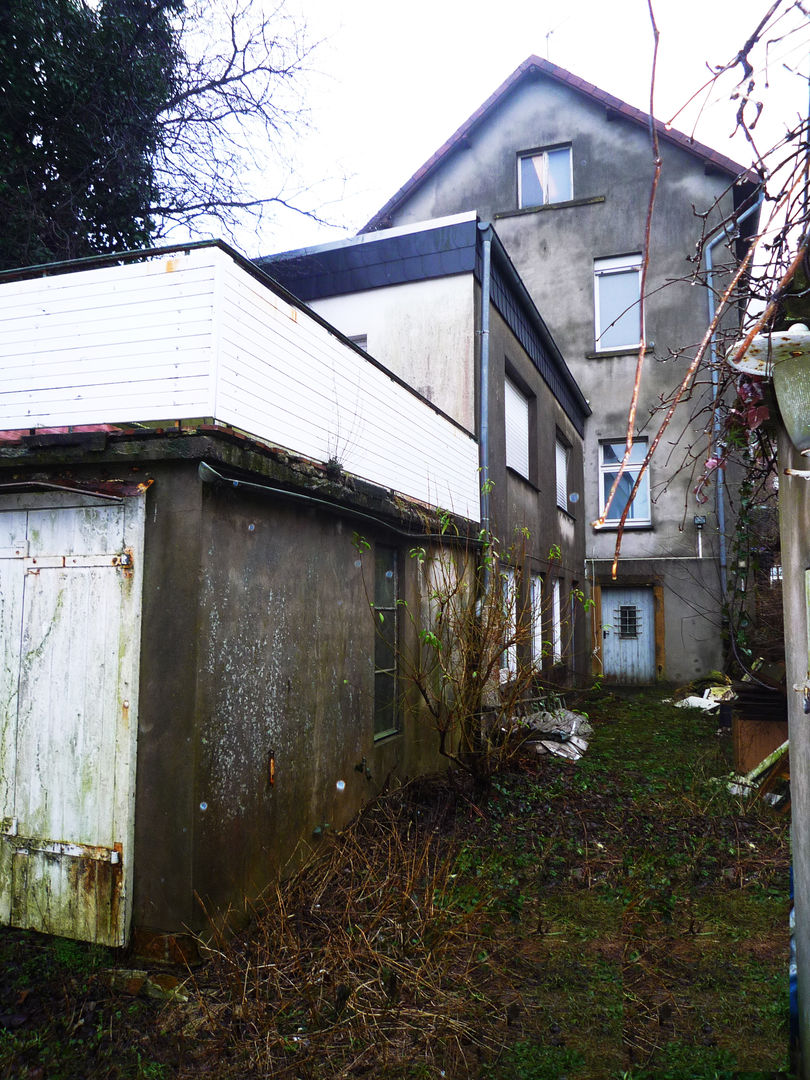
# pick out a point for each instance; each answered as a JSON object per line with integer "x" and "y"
{"x": 567, "y": 205}
{"x": 628, "y": 350}
{"x": 384, "y": 736}
{"x": 613, "y": 526}
{"x": 566, "y": 513}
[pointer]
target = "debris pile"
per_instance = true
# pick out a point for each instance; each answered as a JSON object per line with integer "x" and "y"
{"x": 560, "y": 732}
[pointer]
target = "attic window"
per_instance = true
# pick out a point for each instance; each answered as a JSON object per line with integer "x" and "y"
{"x": 544, "y": 176}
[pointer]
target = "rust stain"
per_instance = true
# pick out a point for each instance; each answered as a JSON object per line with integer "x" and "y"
{"x": 125, "y": 561}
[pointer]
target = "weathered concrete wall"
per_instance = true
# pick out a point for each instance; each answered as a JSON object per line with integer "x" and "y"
{"x": 285, "y": 671}
{"x": 794, "y": 529}
{"x": 164, "y": 817}
{"x": 257, "y": 644}
{"x": 553, "y": 248}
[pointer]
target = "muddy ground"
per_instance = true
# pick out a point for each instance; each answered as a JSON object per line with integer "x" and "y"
{"x": 618, "y": 917}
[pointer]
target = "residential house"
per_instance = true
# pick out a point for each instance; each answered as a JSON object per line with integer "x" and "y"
{"x": 564, "y": 172}
{"x": 193, "y": 686}
{"x": 441, "y": 305}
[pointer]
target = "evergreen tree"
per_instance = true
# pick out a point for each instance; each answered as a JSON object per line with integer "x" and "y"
{"x": 82, "y": 89}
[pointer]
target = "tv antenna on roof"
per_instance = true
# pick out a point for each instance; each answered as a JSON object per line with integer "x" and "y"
{"x": 551, "y": 31}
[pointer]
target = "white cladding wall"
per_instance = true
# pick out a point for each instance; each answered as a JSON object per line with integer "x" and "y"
{"x": 196, "y": 335}
{"x": 118, "y": 343}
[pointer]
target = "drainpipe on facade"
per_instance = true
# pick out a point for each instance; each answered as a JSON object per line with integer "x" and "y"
{"x": 483, "y": 416}
{"x": 721, "y": 472}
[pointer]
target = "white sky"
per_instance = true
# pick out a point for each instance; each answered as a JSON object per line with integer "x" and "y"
{"x": 390, "y": 82}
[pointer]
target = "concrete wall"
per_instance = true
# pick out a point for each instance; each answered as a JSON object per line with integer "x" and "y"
{"x": 258, "y": 644}
{"x": 554, "y": 248}
{"x": 794, "y": 529}
{"x": 530, "y": 504}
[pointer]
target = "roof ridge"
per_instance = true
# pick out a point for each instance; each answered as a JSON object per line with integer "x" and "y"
{"x": 535, "y": 63}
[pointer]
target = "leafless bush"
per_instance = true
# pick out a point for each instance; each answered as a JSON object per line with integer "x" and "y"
{"x": 365, "y": 957}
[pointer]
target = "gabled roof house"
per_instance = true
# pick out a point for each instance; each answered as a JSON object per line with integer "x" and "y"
{"x": 563, "y": 170}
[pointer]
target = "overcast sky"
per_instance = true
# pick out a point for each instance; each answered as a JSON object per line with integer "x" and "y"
{"x": 390, "y": 83}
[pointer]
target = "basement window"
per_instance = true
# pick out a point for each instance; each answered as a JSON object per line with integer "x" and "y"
{"x": 386, "y": 641}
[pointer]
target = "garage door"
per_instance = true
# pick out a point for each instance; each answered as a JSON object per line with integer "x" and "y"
{"x": 70, "y": 603}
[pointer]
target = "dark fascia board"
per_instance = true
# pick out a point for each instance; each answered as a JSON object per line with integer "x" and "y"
{"x": 531, "y": 68}
{"x": 434, "y": 250}
{"x": 512, "y": 300}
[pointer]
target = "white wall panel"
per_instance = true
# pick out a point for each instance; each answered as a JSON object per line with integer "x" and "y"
{"x": 327, "y": 400}
{"x": 115, "y": 344}
{"x": 197, "y": 335}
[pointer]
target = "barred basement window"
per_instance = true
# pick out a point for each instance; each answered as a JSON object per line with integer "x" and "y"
{"x": 629, "y": 622}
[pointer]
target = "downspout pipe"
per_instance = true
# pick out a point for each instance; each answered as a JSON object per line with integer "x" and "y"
{"x": 485, "y": 229}
{"x": 721, "y": 472}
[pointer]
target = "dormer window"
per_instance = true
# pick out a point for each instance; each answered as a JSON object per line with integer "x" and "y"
{"x": 544, "y": 176}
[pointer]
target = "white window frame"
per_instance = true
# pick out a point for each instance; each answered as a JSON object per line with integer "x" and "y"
{"x": 642, "y": 514}
{"x": 510, "y": 610}
{"x": 556, "y": 622}
{"x": 629, "y": 318}
{"x": 562, "y": 458}
{"x": 537, "y": 619}
{"x": 517, "y": 421}
{"x": 542, "y": 156}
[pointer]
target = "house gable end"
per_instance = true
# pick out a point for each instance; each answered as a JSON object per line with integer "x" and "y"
{"x": 532, "y": 70}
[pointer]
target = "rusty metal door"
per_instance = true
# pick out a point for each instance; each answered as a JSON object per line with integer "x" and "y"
{"x": 628, "y": 635}
{"x": 70, "y": 603}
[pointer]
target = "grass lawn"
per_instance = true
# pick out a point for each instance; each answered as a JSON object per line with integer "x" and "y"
{"x": 621, "y": 917}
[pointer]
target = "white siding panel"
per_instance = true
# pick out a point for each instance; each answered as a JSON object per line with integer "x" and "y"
{"x": 109, "y": 345}
{"x": 198, "y": 335}
{"x": 312, "y": 393}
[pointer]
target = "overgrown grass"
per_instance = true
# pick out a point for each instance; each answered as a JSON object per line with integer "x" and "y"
{"x": 622, "y": 917}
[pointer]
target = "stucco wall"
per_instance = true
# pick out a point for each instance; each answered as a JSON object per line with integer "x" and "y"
{"x": 520, "y": 503}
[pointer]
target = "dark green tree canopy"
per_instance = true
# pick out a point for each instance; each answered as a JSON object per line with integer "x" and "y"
{"x": 112, "y": 130}
{"x": 81, "y": 92}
